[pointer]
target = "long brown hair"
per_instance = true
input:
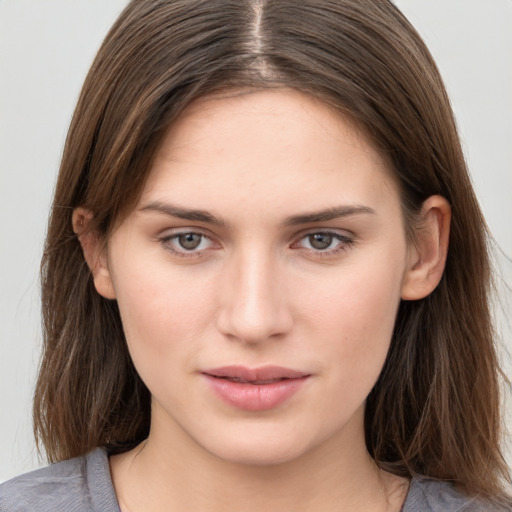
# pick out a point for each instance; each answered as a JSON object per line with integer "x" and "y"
{"x": 435, "y": 408}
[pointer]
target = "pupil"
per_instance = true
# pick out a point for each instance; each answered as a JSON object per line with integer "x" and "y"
{"x": 189, "y": 241}
{"x": 320, "y": 240}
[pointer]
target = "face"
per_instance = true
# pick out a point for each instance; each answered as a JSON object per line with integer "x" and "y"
{"x": 259, "y": 277}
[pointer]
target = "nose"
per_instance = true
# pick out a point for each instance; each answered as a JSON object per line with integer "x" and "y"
{"x": 254, "y": 302}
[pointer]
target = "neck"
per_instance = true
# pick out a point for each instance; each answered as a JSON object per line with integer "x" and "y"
{"x": 170, "y": 471}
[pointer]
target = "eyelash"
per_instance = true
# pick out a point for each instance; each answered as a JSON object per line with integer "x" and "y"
{"x": 167, "y": 242}
{"x": 345, "y": 243}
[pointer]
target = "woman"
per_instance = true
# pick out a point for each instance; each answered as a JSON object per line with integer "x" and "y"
{"x": 266, "y": 278}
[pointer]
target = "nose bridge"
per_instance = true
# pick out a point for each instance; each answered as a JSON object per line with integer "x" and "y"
{"x": 254, "y": 304}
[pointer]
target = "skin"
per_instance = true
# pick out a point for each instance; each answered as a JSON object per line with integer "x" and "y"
{"x": 257, "y": 290}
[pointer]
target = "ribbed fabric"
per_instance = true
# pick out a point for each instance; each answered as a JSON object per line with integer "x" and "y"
{"x": 99, "y": 483}
{"x": 84, "y": 485}
{"x": 77, "y": 485}
{"x": 433, "y": 496}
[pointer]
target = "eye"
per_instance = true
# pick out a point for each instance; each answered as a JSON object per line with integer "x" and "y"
{"x": 186, "y": 243}
{"x": 324, "y": 242}
{"x": 320, "y": 241}
{"x": 189, "y": 241}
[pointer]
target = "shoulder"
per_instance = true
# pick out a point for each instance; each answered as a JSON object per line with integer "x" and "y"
{"x": 426, "y": 495}
{"x": 80, "y": 484}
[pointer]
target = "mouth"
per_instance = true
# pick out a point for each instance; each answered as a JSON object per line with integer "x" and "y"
{"x": 256, "y": 389}
{"x": 263, "y": 375}
{"x": 252, "y": 382}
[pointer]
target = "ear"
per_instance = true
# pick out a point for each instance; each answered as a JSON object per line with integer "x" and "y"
{"x": 94, "y": 252}
{"x": 427, "y": 258}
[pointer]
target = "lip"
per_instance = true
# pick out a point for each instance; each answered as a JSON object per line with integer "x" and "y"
{"x": 255, "y": 389}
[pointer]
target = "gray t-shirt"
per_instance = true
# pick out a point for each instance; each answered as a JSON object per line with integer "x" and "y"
{"x": 84, "y": 485}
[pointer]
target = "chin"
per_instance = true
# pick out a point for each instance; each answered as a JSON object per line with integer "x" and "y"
{"x": 257, "y": 447}
{"x": 257, "y": 455}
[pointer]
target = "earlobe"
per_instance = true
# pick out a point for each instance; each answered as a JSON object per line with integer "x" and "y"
{"x": 94, "y": 252}
{"x": 427, "y": 258}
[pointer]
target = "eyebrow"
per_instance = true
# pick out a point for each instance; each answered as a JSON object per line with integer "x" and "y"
{"x": 329, "y": 214}
{"x": 182, "y": 213}
{"x": 307, "y": 218}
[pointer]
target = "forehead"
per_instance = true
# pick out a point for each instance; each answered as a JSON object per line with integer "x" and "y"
{"x": 267, "y": 147}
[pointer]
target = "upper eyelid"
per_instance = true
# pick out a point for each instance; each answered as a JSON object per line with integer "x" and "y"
{"x": 205, "y": 232}
{"x": 326, "y": 231}
{"x": 173, "y": 236}
{"x": 174, "y": 232}
{"x": 334, "y": 234}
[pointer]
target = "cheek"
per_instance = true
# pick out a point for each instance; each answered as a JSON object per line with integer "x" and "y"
{"x": 351, "y": 318}
{"x": 363, "y": 299}
{"x": 164, "y": 314}
{"x": 352, "y": 333}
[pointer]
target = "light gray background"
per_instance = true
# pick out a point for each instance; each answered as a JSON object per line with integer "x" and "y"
{"x": 46, "y": 48}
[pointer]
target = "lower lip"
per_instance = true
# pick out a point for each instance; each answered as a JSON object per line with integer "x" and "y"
{"x": 255, "y": 397}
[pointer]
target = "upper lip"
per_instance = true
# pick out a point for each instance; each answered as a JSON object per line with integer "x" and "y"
{"x": 263, "y": 373}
